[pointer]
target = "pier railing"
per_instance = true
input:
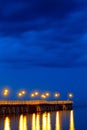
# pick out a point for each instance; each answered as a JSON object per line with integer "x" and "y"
{"x": 32, "y": 102}
{"x": 32, "y": 106}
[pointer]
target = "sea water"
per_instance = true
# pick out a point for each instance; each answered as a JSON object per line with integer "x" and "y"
{"x": 75, "y": 119}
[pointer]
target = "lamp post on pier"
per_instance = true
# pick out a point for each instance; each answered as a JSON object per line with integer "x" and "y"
{"x": 21, "y": 93}
{"x": 57, "y": 95}
{"x": 70, "y": 96}
{"x": 5, "y": 92}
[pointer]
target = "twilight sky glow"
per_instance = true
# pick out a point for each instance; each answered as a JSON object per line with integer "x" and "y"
{"x": 43, "y": 46}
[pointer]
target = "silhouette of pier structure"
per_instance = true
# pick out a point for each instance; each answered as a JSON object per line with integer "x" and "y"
{"x": 33, "y": 106}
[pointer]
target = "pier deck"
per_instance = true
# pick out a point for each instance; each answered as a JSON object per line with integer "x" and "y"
{"x": 31, "y": 106}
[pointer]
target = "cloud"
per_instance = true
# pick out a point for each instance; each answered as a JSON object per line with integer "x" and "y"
{"x": 43, "y": 33}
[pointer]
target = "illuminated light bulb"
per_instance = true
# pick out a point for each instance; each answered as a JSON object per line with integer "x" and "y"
{"x": 43, "y": 96}
{"x": 23, "y": 92}
{"x": 19, "y": 94}
{"x": 32, "y": 95}
{"x": 70, "y": 95}
{"x": 47, "y": 94}
{"x": 36, "y": 93}
{"x": 5, "y": 92}
{"x": 57, "y": 94}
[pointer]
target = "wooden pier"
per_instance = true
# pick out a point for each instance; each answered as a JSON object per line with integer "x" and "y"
{"x": 32, "y": 106}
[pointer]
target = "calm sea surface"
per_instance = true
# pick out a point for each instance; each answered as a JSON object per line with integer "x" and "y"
{"x": 60, "y": 120}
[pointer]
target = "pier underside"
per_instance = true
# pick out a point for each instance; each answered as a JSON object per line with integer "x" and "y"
{"x": 18, "y": 107}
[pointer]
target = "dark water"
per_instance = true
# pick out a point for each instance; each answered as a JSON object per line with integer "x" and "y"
{"x": 59, "y": 120}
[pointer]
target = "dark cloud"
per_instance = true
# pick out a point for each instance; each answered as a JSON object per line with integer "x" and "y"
{"x": 43, "y": 33}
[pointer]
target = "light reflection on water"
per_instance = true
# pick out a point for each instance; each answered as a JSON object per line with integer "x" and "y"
{"x": 36, "y": 122}
{"x": 72, "y": 120}
{"x": 7, "y": 124}
{"x": 23, "y": 123}
{"x": 46, "y": 121}
{"x": 57, "y": 121}
{"x": 40, "y": 121}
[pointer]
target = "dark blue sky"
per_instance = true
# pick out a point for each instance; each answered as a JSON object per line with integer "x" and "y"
{"x": 43, "y": 45}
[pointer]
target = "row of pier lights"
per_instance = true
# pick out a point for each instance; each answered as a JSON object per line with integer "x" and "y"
{"x": 35, "y": 94}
